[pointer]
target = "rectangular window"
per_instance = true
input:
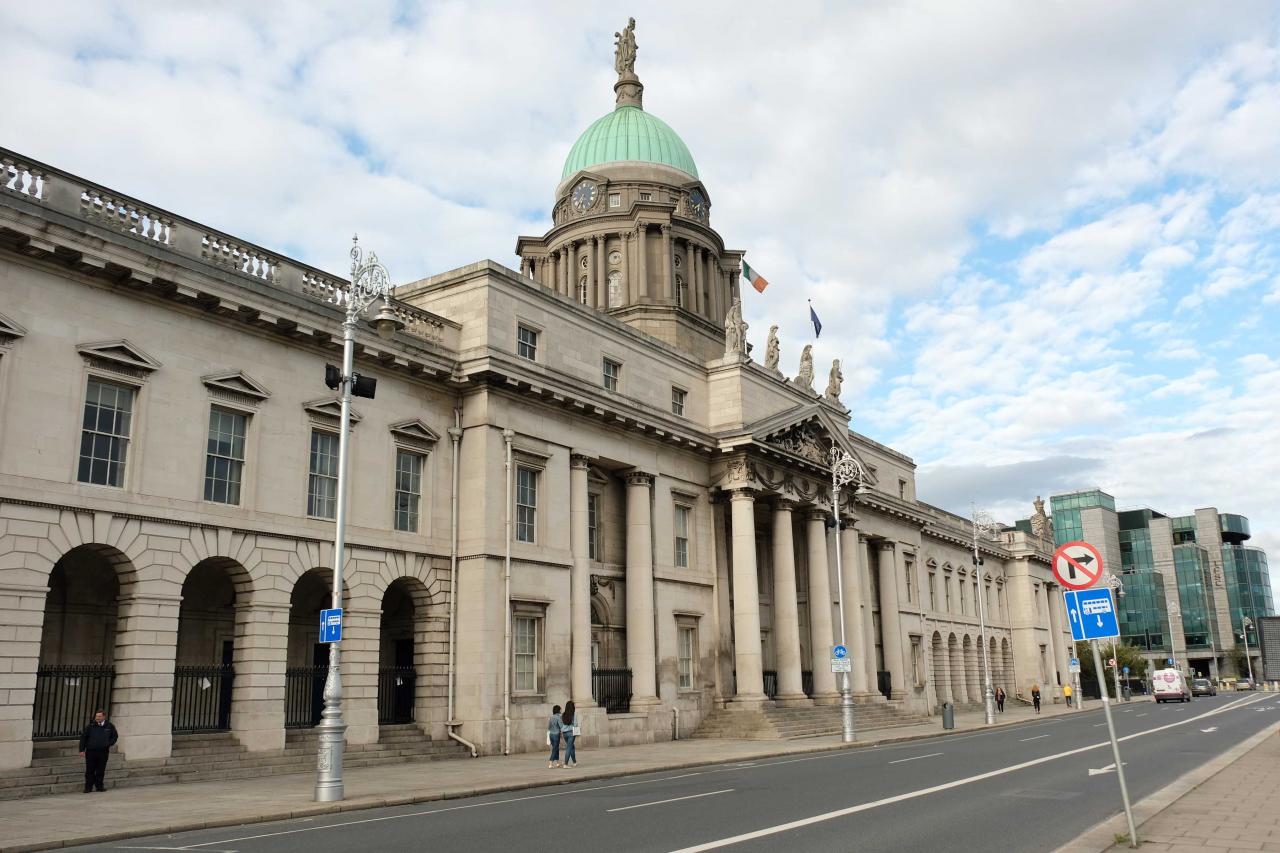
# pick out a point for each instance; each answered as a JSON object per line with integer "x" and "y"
{"x": 322, "y": 479}
{"x": 525, "y": 650}
{"x": 933, "y": 591}
{"x": 909, "y": 569}
{"x": 947, "y": 587}
{"x": 593, "y": 527}
{"x": 526, "y": 504}
{"x": 678, "y": 396}
{"x": 612, "y": 371}
{"x": 686, "y": 653}
{"x": 615, "y": 199}
{"x": 646, "y": 196}
{"x": 224, "y": 456}
{"x": 902, "y": 489}
{"x": 682, "y": 535}
{"x": 526, "y": 343}
{"x": 917, "y": 662}
{"x": 408, "y": 490}
{"x": 104, "y": 435}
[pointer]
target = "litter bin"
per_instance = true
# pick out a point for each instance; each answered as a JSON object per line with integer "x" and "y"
{"x": 948, "y": 715}
{"x": 1126, "y": 693}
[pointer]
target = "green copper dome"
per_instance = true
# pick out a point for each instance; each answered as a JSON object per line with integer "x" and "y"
{"x": 629, "y": 134}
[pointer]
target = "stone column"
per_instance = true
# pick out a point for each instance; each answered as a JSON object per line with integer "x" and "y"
{"x": 142, "y": 700}
{"x": 821, "y": 639}
{"x": 668, "y": 260}
{"x": 602, "y": 272}
{"x": 640, "y": 639}
{"x": 867, "y": 560}
{"x": 361, "y": 641}
{"x": 733, "y": 285}
{"x": 261, "y": 652}
{"x": 786, "y": 609}
{"x": 746, "y": 603}
{"x": 855, "y": 609}
{"x": 1057, "y": 648}
{"x": 695, "y": 278}
{"x": 713, "y": 286}
{"x": 642, "y": 249}
{"x": 628, "y": 295}
{"x": 566, "y": 271}
{"x": 890, "y": 618}
{"x": 580, "y": 585}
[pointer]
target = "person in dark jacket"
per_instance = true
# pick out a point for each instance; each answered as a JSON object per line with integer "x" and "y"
{"x": 95, "y": 744}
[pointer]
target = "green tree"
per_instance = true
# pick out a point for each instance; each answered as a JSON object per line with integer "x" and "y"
{"x": 1124, "y": 654}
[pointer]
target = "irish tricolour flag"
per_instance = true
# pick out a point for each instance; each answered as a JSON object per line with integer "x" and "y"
{"x": 758, "y": 281}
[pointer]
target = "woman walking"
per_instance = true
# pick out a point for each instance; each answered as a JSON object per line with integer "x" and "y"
{"x": 554, "y": 729}
{"x": 568, "y": 727}
{"x": 1000, "y": 699}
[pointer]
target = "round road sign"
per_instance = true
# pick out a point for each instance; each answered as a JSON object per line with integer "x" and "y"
{"x": 1077, "y": 565}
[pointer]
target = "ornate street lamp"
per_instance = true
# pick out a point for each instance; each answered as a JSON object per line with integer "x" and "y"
{"x": 845, "y": 469}
{"x": 987, "y": 526}
{"x": 369, "y": 282}
{"x": 1116, "y": 586}
{"x": 1245, "y": 624}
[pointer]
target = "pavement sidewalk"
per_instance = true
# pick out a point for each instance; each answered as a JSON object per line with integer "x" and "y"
{"x": 65, "y": 820}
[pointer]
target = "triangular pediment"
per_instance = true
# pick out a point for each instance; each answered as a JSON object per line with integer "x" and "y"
{"x": 415, "y": 432}
{"x": 329, "y": 409}
{"x": 808, "y": 432}
{"x": 236, "y": 382}
{"x": 9, "y": 330}
{"x": 120, "y": 354}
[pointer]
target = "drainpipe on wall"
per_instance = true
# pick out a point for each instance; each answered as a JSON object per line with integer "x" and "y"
{"x": 507, "y": 435}
{"x": 455, "y": 435}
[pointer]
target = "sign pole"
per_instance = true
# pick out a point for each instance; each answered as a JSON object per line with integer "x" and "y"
{"x": 1115, "y": 745}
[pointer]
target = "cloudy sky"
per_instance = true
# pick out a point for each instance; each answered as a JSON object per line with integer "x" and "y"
{"x": 1042, "y": 236}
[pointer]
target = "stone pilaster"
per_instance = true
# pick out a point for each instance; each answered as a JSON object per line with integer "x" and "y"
{"x": 942, "y": 667}
{"x": 692, "y": 256}
{"x": 867, "y": 561}
{"x": 642, "y": 249}
{"x": 361, "y": 638}
{"x": 890, "y": 619}
{"x": 786, "y": 608}
{"x": 257, "y": 693}
{"x": 602, "y": 273}
{"x": 668, "y": 261}
{"x": 820, "y": 632}
{"x": 579, "y": 585}
{"x": 640, "y": 631}
{"x": 746, "y": 602}
{"x": 21, "y": 622}
{"x": 142, "y": 701}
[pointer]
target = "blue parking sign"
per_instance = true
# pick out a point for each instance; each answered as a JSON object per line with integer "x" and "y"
{"x": 331, "y": 625}
{"x": 1093, "y": 614}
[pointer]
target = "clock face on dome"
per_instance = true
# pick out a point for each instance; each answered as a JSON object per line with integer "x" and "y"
{"x": 584, "y": 196}
{"x": 698, "y": 204}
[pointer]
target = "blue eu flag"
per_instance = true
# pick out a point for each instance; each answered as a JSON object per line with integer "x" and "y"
{"x": 817, "y": 324}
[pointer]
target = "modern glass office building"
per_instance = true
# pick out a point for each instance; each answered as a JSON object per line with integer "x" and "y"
{"x": 1189, "y": 581}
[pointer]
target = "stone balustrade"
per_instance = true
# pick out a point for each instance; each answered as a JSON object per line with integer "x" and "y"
{"x": 89, "y": 202}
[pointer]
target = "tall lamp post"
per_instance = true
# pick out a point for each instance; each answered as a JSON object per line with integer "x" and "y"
{"x": 1245, "y": 624}
{"x": 990, "y": 529}
{"x": 1117, "y": 589}
{"x": 369, "y": 282}
{"x": 845, "y": 469}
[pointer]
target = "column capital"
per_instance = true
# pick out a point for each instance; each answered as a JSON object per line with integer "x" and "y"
{"x": 579, "y": 461}
{"x": 781, "y": 503}
{"x": 743, "y": 495}
{"x": 639, "y": 478}
{"x": 817, "y": 514}
{"x": 886, "y": 544}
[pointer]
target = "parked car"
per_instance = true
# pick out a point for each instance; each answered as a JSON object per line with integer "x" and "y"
{"x": 1170, "y": 686}
{"x": 1245, "y": 684}
{"x": 1203, "y": 687}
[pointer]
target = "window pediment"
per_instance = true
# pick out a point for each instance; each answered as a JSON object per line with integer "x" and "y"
{"x": 414, "y": 432}
{"x": 328, "y": 411}
{"x": 10, "y": 330}
{"x": 120, "y": 356}
{"x": 237, "y": 383}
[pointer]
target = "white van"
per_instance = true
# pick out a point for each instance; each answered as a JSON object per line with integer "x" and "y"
{"x": 1170, "y": 686}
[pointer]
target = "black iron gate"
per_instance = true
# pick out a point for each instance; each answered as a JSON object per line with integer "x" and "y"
{"x": 771, "y": 683}
{"x": 67, "y": 696}
{"x": 884, "y": 683}
{"x": 202, "y": 698}
{"x": 303, "y": 695}
{"x": 611, "y": 689}
{"x": 395, "y": 694}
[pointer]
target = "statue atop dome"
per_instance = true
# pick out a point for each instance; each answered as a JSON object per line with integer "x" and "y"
{"x": 629, "y": 88}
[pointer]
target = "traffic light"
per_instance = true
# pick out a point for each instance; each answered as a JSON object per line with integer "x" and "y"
{"x": 363, "y": 386}
{"x": 332, "y": 376}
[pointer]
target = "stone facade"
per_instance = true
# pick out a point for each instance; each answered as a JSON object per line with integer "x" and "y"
{"x": 646, "y": 499}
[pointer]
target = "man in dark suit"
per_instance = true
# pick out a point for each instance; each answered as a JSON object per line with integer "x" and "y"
{"x": 95, "y": 744}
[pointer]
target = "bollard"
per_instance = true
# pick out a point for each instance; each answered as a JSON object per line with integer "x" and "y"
{"x": 948, "y": 715}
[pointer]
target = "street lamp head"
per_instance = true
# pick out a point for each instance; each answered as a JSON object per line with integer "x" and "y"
{"x": 387, "y": 323}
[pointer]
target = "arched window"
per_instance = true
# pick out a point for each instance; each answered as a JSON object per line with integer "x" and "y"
{"x": 582, "y": 290}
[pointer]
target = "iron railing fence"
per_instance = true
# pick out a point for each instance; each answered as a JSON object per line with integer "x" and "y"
{"x": 771, "y": 683}
{"x": 303, "y": 695}
{"x": 396, "y": 685}
{"x": 67, "y": 695}
{"x": 806, "y": 681}
{"x": 202, "y": 698}
{"x": 611, "y": 689}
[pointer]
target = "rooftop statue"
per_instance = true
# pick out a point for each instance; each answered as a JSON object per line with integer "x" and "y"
{"x": 735, "y": 331}
{"x": 835, "y": 381}
{"x": 772, "y": 351}
{"x": 624, "y": 54}
{"x": 804, "y": 378}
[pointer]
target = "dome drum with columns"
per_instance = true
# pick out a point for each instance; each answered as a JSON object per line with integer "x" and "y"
{"x": 632, "y": 233}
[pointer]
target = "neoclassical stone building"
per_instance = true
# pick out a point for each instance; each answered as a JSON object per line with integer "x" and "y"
{"x": 574, "y": 482}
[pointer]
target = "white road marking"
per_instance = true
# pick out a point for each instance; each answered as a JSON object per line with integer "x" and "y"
{"x": 1143, "y": 715}
{"x": 672, "y": 800}
{"x": 1098, "y": 725}
{"x": 1210, "y": 729}
{"x": 1037, "y": 737}
{"x": 1110, "y": 768}
{"x": 911, "y": 795}
{"x": 917, "y": 757}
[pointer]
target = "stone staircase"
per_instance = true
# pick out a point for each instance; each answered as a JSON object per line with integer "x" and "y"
{"x": 792, "y": 723}
{"x": 57, "y": 768}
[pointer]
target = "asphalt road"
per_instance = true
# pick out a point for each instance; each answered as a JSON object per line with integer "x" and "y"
{"x": 1022, "y": 788}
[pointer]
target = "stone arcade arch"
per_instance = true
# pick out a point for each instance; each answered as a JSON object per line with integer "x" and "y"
{"x": 213, "y": 593}
{"x": 958, "y": 687}
{"x": 942, "y": 683}
{"x": 76, "y": 673}
{"x": 306, "y": 658}
{"x": 400, "y": 640}
{"x": 1006, "y": 654}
